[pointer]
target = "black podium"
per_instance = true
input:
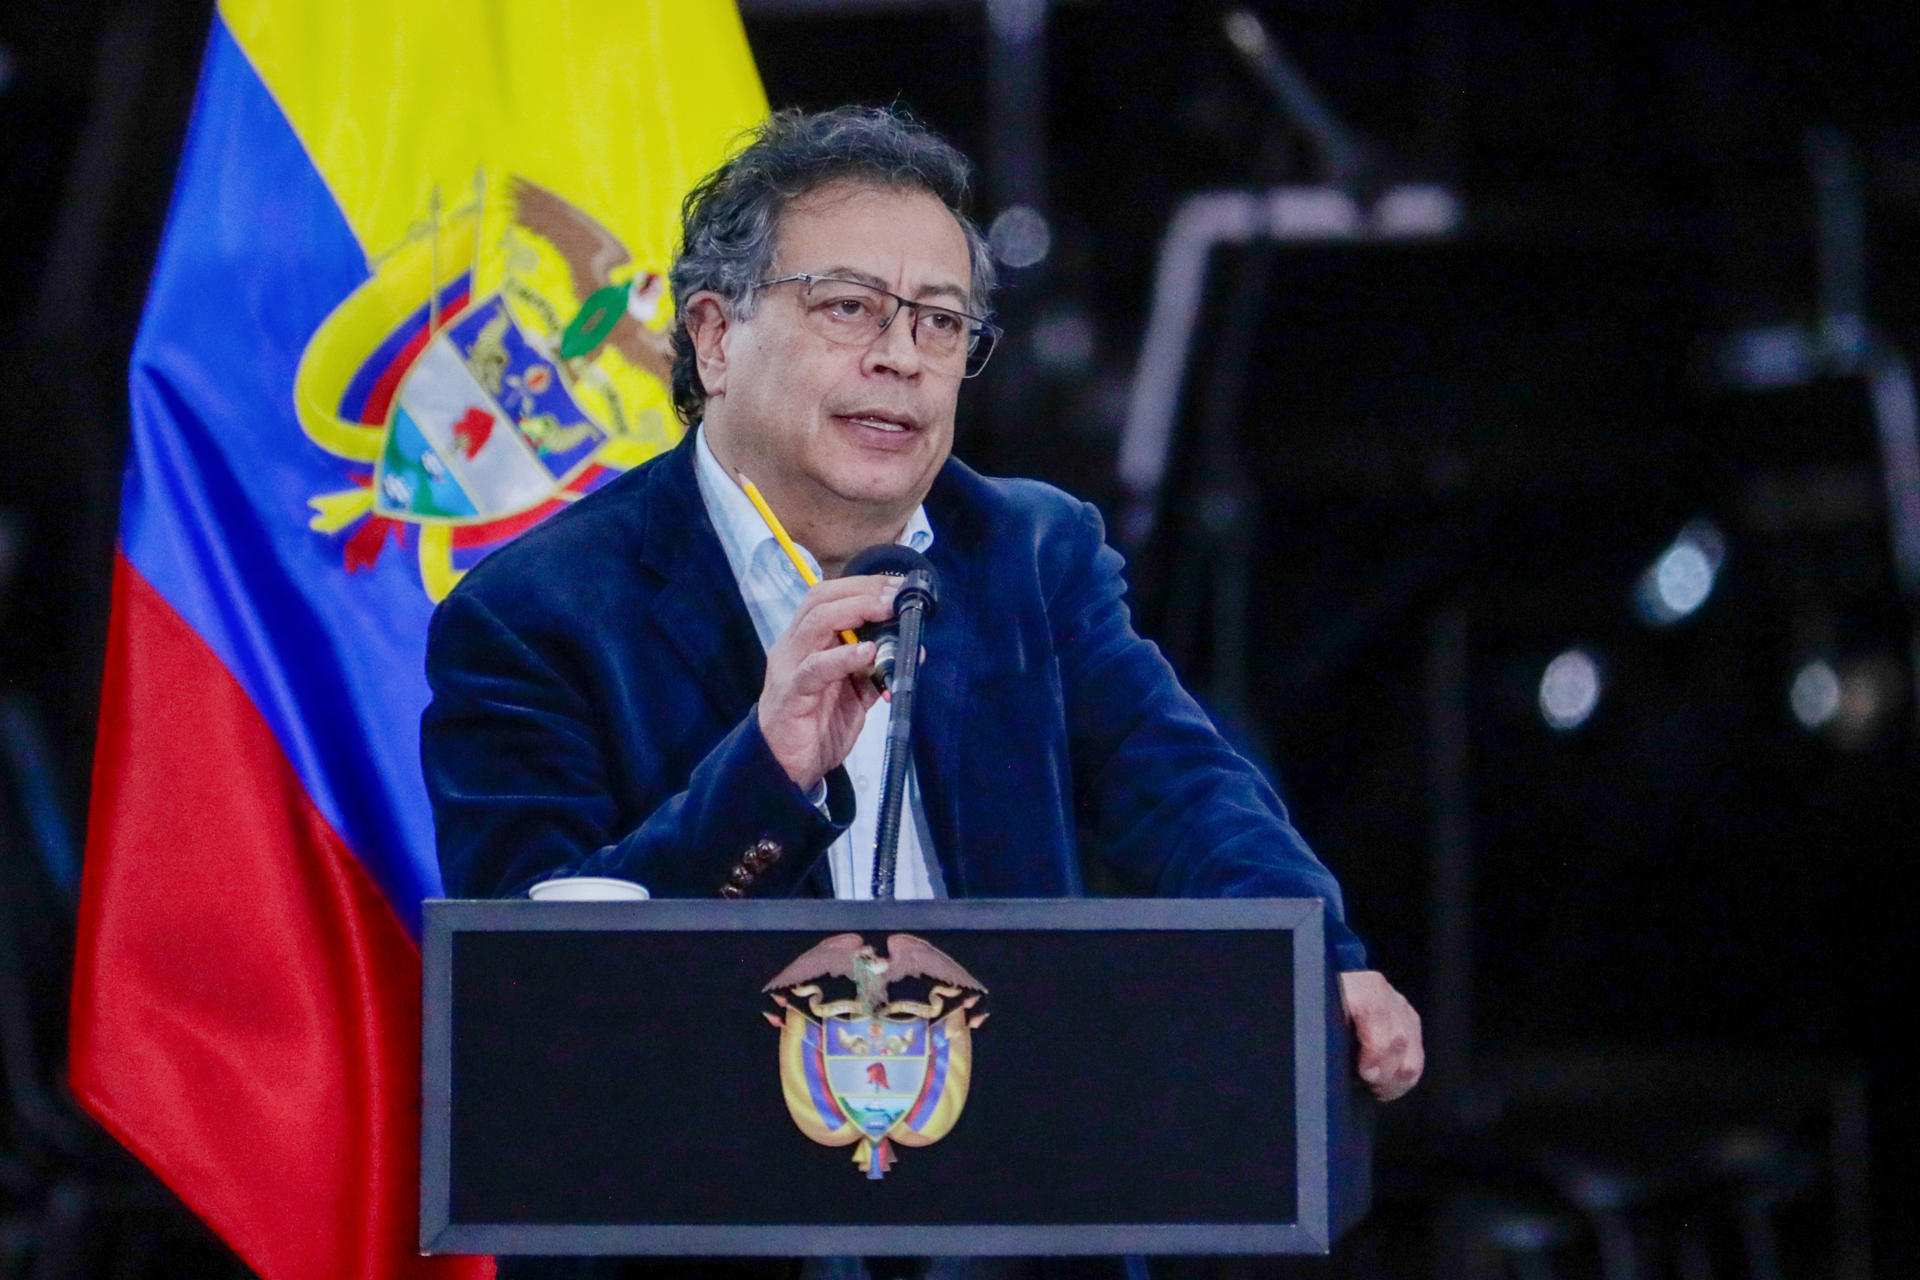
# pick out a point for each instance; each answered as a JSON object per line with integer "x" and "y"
{"x": 855, "y": 1078}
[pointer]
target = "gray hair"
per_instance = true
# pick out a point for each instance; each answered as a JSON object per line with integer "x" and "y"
{"x": 729, "y": 220}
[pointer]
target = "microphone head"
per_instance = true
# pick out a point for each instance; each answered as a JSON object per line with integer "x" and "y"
{"x": 895, "y": 558}
{"x": 899, "y": 561}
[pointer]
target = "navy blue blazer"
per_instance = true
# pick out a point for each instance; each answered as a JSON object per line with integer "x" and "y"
{"x": 595, "y": 681}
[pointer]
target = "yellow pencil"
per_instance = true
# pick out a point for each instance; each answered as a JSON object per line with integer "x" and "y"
{"x": 807, "y": 574}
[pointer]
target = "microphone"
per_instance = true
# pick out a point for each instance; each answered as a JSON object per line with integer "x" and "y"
{"x": 913, "y": 605}
{"x": 919, "y": 591}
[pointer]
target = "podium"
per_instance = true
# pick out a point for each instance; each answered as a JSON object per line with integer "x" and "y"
{"x": 808, "y": 1077}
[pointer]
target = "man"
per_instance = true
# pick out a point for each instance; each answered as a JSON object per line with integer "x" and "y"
{"x": 640, "y": 687}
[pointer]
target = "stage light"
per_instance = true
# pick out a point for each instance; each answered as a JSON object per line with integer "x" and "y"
{"x": 1815, "y": 695}
{"x": 1248, "y": 34}
{"x": 1570, "y": 690}
{"x": 1677, "y": 583}
{"x": 1020, "y": 236}
{"x": 1855, "y": 705}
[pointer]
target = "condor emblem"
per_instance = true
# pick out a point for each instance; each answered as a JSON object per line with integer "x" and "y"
{"x": 872, "y": 1070}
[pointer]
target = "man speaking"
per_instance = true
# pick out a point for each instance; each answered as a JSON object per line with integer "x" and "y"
{"x": 644, "y": 686}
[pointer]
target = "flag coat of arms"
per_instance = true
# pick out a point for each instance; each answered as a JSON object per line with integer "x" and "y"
{"x": 410, "y": 300}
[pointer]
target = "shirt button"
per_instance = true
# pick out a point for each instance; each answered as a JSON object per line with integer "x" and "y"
{"x": 861, "y": 782}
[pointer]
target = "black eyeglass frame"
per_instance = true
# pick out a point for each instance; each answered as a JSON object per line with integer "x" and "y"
{"x": 984, "y": 333}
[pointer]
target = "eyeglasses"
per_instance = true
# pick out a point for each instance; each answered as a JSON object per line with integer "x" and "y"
{"x": 854, "y": 314}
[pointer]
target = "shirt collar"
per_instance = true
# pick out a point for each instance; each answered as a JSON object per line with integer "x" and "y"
{"x": 743, "y": 533}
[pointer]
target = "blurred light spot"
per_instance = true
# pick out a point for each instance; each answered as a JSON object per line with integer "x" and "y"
{"x": 6, "y": 68}
{"x": 1780, "y": 356}
{"x": 1019, "y": 21}
{"x": 1020, "y": 236}
{"x": 1871, "y": 691}
{"x": 1248, "y": 34}
{"x": 1570, "y": 690}
{"x": 1064, "y": 341}
{"x": 1845, "y": 335}
{"x": 1416, "y": 210}
{"x": 1682, "y": 578}
{"x": 1815, "y": 695}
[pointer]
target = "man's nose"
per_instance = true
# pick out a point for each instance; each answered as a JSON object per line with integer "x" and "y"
{"x": 894, "y": 347}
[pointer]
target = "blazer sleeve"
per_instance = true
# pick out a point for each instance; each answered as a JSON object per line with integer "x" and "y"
{"x": 518, "y": 778}
{"x": 1177, "y": 810}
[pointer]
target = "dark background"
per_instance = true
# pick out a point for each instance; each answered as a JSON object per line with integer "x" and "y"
{"x": 1408, "y": 476}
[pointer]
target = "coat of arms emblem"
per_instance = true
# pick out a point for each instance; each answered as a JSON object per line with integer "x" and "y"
{"x": 875, "y": 1070}
{"x": 504, "y": 359}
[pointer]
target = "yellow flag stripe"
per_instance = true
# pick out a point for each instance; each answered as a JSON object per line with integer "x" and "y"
{"x": 615, "y": 105}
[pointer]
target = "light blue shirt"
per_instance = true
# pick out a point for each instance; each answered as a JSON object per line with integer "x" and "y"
{"x": 772, "y": 590}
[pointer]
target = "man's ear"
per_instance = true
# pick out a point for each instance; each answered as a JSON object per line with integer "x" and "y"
{"x": 705, "y": 315}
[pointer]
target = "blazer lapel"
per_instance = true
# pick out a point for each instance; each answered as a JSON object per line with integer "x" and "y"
{"x": 951, "y": 640}
{"x": 699, "y": 610}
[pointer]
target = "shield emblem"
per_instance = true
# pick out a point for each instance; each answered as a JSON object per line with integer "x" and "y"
{"x": 876, "y": 1070}
{"x": 484, "y": 425}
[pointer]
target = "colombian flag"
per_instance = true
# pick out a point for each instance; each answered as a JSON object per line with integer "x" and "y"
{"x": 410, "y": 299}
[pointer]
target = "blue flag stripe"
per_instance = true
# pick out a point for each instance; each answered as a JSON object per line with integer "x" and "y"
{"x": 214, "y": 513}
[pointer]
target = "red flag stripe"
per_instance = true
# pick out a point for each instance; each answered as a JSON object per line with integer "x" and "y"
{"x": 246, "y": 1003}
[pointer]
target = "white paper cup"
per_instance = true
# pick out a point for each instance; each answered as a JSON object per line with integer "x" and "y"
{"x": 588, "y": 889}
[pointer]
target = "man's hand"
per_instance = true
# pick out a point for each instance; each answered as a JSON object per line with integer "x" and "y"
{"x": 1391, "y": 1054}
{"x": 817, "y": 692}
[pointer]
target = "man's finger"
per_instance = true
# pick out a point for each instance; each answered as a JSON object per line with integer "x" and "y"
{"x": 1399, "y": 1073}
{"x": 1375, "y": 1032}
{"x": 836, "y": 589}
{"x": 1397, "y": 1066}
{"x": 820, "y": 671}
{"x": 1370, "y": 1021}
{"x": 816, "y": 627}
{"x": 839, "y": 588}
{"x": 1391, "y": 1057}
{"x": 1413, "y": 1064}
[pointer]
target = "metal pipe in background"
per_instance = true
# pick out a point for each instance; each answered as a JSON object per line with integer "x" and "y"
{"x": 1199, "y": 225}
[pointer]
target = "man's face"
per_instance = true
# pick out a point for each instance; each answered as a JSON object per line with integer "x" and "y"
{"x": 824, "y": 424}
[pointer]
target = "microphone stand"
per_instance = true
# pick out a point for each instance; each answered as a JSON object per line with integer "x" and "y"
{"x": 912, "y": 603}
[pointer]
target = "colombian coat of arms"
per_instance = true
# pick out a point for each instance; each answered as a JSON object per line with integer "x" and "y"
{"x": 870, "y": 1070}
{"x": 502, "y": 360}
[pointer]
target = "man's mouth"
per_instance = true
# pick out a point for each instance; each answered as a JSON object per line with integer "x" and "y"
{"x": 880, "y": 420}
